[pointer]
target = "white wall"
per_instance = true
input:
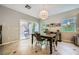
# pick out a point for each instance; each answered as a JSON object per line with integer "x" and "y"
{"x": 10, "y": 21}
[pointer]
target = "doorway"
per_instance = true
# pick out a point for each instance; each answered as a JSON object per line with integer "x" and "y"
{"x": 24, "y": 30}
{"x": 28, "y": 28}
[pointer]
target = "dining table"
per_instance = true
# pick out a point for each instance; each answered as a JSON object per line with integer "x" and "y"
{"x": 49, "y": 37}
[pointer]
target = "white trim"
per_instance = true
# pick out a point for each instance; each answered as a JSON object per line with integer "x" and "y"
{"x": 67, "y": 41}
{"x": 8, "y": 43}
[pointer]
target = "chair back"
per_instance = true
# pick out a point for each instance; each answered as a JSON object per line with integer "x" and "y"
{"x": 37, "y": 35}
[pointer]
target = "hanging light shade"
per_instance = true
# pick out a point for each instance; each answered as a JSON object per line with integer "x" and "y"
{"x": 44, "y": 14}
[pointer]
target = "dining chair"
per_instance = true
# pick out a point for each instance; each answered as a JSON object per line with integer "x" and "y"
{"x": 39, "y": 40}
{"x": 55, "y": 41}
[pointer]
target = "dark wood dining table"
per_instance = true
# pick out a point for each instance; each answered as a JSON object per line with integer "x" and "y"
{"x": 48, "y": 37}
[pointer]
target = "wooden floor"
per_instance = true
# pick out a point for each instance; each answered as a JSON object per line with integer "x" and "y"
{"x": 24, "y": 47}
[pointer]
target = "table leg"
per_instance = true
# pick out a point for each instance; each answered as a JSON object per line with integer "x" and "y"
{"x": 50, "y": 46}
{"x": 32, "y": 39}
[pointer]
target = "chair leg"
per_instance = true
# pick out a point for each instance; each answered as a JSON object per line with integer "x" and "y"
{"x": 35, "y": 45}
{"x": 47, "y": 44}
{"x": 53, "y": 46}
{"x": 40, "y": 45}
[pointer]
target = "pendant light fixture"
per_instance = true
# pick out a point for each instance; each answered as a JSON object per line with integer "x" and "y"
{"x": 43, "y": 13}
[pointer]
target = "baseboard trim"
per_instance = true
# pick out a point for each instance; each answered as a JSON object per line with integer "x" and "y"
{"x": 67, "y": 41}
{"x": 8, "y": 43}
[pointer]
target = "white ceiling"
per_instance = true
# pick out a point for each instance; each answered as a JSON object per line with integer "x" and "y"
{"x": 52, "y": 9}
